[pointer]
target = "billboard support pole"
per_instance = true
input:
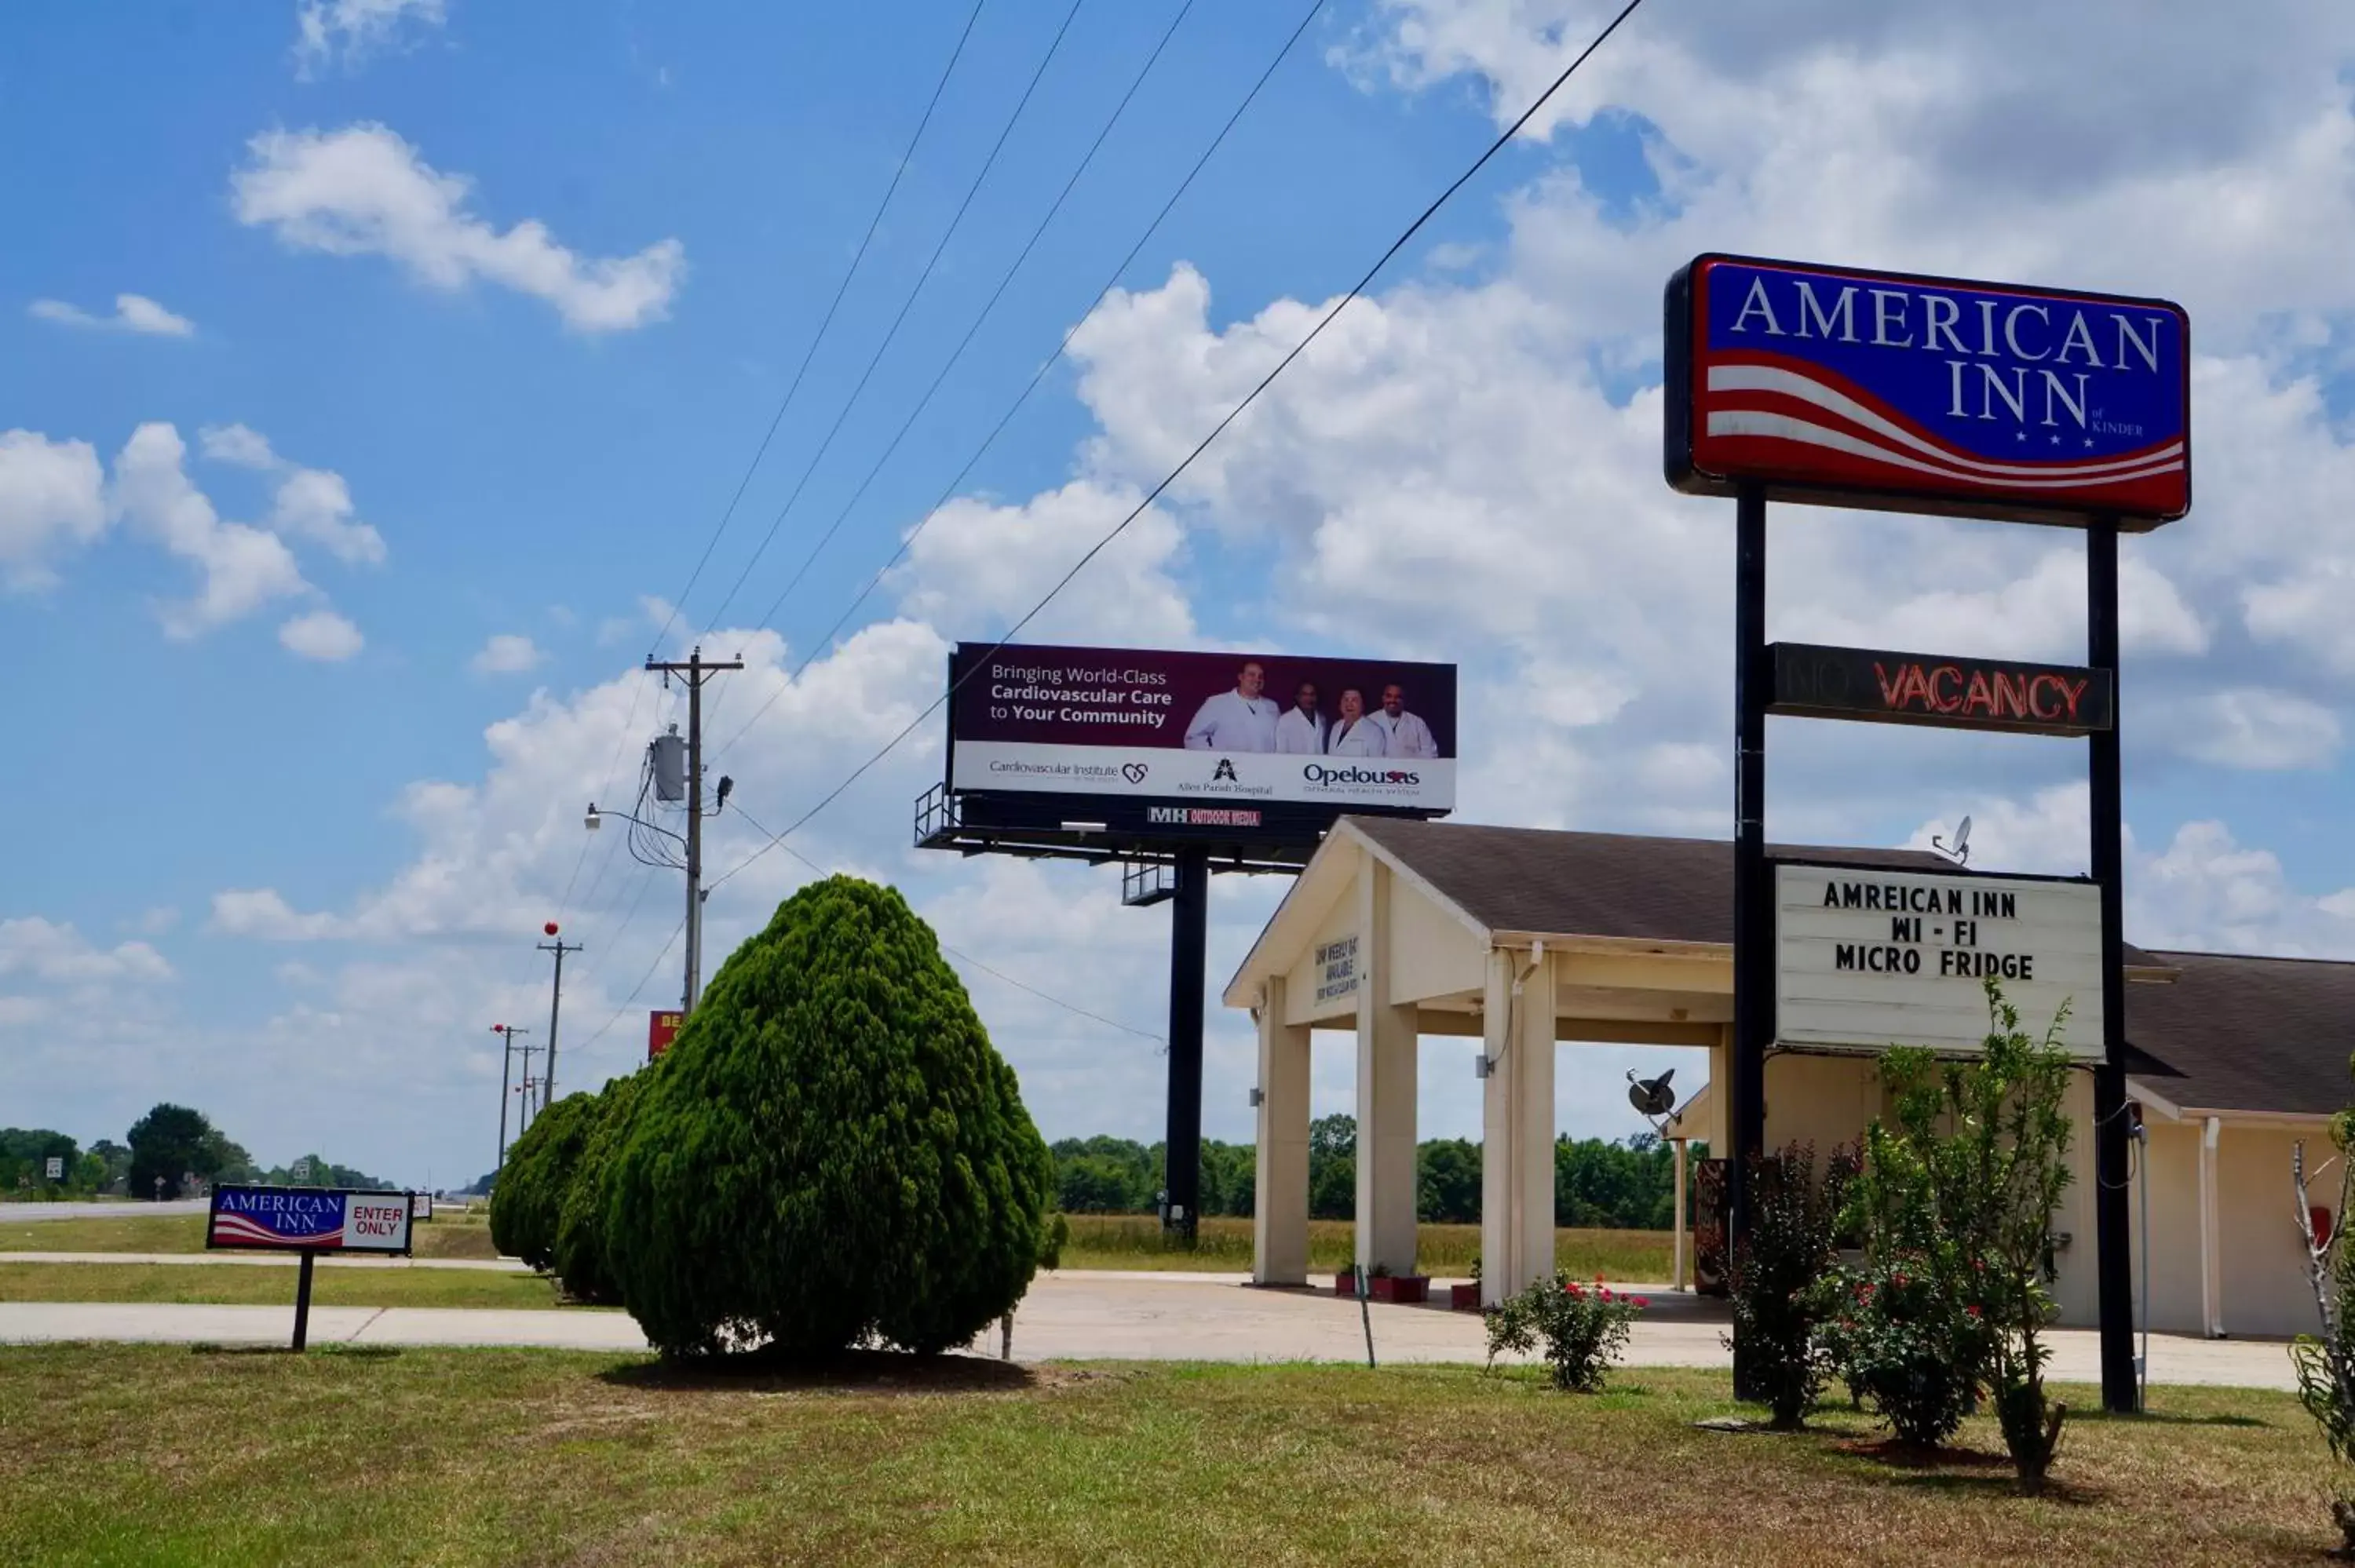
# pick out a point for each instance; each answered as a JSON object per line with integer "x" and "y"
{"x": 2114, "y": 1262}
{"x": 303, "y": 1299}
{"x": 1753, "y": 959}
{"x": 1190, "y": 921}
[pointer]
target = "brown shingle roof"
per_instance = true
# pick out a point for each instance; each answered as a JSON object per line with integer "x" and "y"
{"x": 2234, "y": 1033}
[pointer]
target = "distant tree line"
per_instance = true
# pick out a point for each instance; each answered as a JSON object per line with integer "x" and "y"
{"x": 169, "y": 1145}
{"x": 1628, "y": 1184}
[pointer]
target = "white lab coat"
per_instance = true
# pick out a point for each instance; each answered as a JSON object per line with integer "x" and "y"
{"x": 1407, "y": 735}
{"x": 1363, "y": 739}
{"x": 1299, "y": 734}
{"x": 1233, "y": 722}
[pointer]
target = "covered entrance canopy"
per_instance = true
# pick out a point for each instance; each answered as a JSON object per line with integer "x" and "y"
{"x": 1520, "y": 937}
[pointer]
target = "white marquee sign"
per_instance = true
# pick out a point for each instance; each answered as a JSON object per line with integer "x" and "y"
{"x": 1867, "y": 958}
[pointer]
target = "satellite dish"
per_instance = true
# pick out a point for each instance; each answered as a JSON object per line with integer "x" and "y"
{"x": 1959, "y": 852}
{"x": 1652, "y": 1097}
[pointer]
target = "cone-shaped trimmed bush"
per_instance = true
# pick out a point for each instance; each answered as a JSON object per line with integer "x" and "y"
{"x": 832, "y": 1152}
{"x": 579, "y": 1250}
{"x": 531, "y": 1186}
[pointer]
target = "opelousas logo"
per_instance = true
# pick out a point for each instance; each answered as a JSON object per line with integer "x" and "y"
{"x": 1317, "y": 773}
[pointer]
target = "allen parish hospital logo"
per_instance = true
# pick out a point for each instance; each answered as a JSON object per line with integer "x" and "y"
{"x": 1133, "y": 772}
{"x": 1226, "y": 770}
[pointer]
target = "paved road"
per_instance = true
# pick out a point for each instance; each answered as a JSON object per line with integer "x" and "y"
{"x": 11, "y": 1213}
{"x": 268, "y": 1260}
{"x": 1084, "y": 1316}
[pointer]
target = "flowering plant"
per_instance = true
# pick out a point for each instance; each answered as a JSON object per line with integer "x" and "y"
{"x": 1582, "y": 1328}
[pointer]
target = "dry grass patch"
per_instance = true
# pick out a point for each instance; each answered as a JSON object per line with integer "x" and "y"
{"x": 235, "y": 1284}
{"x": 1134, "y": 1241}
{"x": 153, "y": 1454}
{"x": 452, "y": 1233}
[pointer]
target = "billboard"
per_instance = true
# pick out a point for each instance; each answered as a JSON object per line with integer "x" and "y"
{"x": 1210, "y": 741}
{"x": 662, "y": 1028}
{"x": 1841, "y": 386}
{"x": 1866, "y": 959}
{"x": 312, "y": 1219}
{"x": 1958, "y": 693}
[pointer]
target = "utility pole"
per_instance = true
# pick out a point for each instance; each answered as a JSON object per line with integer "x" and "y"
{"x": 506, "y": 1033}
{"x": 696, "y": 671}
{"x": 555, "y": 1000}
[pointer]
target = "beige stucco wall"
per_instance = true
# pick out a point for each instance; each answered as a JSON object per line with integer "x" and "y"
{"x": 2265, "y": 1290}
{"x": 1432, "y": 953}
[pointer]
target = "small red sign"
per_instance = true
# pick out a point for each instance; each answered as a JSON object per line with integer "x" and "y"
{"x": 662, "y": 1028}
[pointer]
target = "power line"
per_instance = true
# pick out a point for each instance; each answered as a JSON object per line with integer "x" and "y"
{"x": 905, "y": 306}
{"x": 965, "y": 342}
{"x": 643, "y": 981}
{"x": 824, "y": 323}
{"x": 1036, "y": 375}
{"x": 1204, "y": 444}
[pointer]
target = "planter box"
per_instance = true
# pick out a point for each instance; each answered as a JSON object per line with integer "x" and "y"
{"x": 1402, "y": 1289}
{"x": 1464, "y": 1297}
{"x": 1345, "y": 1285}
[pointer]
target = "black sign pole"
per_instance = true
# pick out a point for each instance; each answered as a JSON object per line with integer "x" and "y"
{"x": 1753, "y": 919}
{"x": 303, "y": 1299}
{"x": 1189, "y": 931}
{"x": 2114, "y": 1262}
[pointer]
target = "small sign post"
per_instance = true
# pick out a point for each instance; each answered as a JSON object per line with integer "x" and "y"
{"x": 56, "y": 1168}
{"x": 308, "y": 1221}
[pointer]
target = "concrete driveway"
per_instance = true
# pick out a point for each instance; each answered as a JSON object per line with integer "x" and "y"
{"x": 1087, "y": 1316}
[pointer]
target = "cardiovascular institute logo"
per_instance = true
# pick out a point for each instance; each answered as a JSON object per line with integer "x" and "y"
{"x": 1320, "y": 776}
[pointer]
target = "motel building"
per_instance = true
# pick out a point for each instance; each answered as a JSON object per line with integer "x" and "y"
{"x": 1511, "y": 943}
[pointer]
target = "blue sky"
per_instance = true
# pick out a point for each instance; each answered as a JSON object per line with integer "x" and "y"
{"x": 518, "y": 288}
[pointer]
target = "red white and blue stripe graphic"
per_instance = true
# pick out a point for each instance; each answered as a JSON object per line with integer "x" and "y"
{"x": 1799, "y": 421}
{"x": 239, "y": 1230}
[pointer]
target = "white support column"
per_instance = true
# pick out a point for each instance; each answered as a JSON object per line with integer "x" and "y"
{"x": 1280, "y": 1199}
{"x": 1499, "y": 1269}
{"x": 1677, "y": 1246}
{"x": 1533, "y": 1023}
{"x": 2211, "y": 1259}
{"x": 1386, "y": 1065}
{"x": 1517, "y": 1126}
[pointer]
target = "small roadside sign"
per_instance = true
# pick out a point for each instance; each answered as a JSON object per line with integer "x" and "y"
{"x": 56, "y": 1168}
{"x": 303, "y": 1169}
{"x": 308, "y": 1221}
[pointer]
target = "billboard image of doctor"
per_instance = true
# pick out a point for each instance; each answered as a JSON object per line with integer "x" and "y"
{"x": 1241, "y": 720}
{"x": 1404, "y": 734}
{"x": 1354, "y": 734}
{"x": 1301, "y": 731}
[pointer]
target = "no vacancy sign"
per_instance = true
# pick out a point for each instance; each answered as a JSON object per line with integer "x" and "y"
{"x": 1866, "y": 959}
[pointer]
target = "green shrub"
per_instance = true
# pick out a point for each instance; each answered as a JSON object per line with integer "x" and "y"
{"x": 1909, "y": 1342}
{"x": 1582, "y": 1328}
{"x": 1777, "y": 1279}
{"x": 538, "y": 1171}
{"x": 579, "y": 1254}
{"x": 832, "y": 1154}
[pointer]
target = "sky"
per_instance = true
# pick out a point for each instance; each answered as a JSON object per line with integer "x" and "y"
{"x": 375, "y": 374}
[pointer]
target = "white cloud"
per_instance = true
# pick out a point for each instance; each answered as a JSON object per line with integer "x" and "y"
{"x": 506, "y": 654}
{"x": 2255, "y": 728}
{"x": 244, "y": 568}
{"x": 133, "y": 313}
{"x": 352, "y": 30}
{"x": 322, "y": 635}
{"x": 154, "y": 921}
{"x": 311, "y": 503}
{"x": 51, "y": 500}
{"x": 262, "y": 912}
{"x": 363, "y": 191}
{"x": 59, "y": 955}
{"x": 976, "y": 568}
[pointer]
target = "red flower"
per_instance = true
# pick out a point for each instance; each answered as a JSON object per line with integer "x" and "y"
{"x": 1973, "y": 1309}
{"x": 1606, "y": 1295}
{"x": 1641, "y": 1301}
{"x": 1899, "y": 1280}
{"x": 1570, "y": 1286}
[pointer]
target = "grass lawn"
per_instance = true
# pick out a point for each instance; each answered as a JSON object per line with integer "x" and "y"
{"x": 1130, "y": 1241}
{"x": 243, "y": 1284}
{"x": 446, "y": 1235}
{"x": 122, "y": 1455}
